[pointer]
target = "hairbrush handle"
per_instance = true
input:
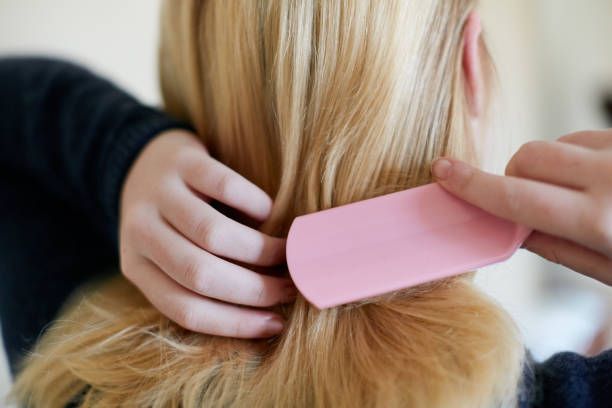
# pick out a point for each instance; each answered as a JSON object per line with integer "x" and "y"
{"x": 394, "y": 241}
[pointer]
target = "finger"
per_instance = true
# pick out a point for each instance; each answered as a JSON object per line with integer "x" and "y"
{"x": 545, "y": 207}
{"x": 574, "y": 256}
{"x": 208, "y": 275}
{"x": 592, "y": 139}
{"x": 217, "y": 233}
{"x": 199, "y": 314}
{"x": 213, "y": 179}
{"x": 551, "y": 162}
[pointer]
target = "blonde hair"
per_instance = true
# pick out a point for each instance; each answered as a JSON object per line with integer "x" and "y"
{"x": 320, "y": 103}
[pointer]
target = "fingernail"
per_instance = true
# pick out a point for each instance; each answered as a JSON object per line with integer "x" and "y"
{"x": 441, "y": 169}
{"x": 273, "y": 325}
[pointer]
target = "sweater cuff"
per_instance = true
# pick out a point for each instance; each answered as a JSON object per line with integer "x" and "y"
{"x": 125, "y": 149}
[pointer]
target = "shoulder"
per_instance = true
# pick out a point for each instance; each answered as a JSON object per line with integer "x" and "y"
{"x": 568, "y": 380}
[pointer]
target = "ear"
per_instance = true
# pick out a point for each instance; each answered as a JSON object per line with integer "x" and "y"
{"x": 472, "y": 68}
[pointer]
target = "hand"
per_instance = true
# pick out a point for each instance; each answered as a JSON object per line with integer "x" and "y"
{"x": 562, "y": 189}
{"x": 172, "y": 240}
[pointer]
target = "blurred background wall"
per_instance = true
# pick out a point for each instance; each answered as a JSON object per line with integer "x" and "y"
{"x": 554, "y": 62}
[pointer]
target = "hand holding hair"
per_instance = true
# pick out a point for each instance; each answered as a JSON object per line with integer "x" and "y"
{"x": 172, "y": 240}
{"x": 562, "y": 189}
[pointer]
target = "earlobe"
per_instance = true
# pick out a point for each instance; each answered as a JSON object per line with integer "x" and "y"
{"x": 472, "y": 68}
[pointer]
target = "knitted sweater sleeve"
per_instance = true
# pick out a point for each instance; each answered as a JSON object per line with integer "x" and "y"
{"x": 568, "y": 380}
{"x": 73, "y": 131}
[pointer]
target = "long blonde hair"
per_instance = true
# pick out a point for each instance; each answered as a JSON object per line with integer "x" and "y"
{"x": 320, "y": 103}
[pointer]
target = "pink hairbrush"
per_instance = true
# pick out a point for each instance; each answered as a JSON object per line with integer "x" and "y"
{"x": 394, "y": 241}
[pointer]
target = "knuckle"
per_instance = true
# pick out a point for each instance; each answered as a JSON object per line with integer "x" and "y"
{"x": 530, "y": 150}
{"x": 124, "y": 251}
{"x": 165, "y": 186}
{"x": 527, "y": 154}
{"x": 201, "y": 228}
{"x": 223, "y": 185}
{"x": 137, "y": 279}
{"x": 194, "y": 278}
{"x": 186, "y": 318}
{"x": 184, "y": 155}
{"x": 261, "y": 296}
{"x": 137, "y": 220}
{"x": 199, "y": 167}
{"x": 138, "y": 236}
{"x": 209, "y": 233}
{"x": 127, "y": 268}
{"x": 192, "y": 165}
{"x": 131, "y": 222}
{"x": 511, "y": 167}
{"x": 527, "y": 147}
{"x": 519, "y": 159}
{"x": 185, "y": 158}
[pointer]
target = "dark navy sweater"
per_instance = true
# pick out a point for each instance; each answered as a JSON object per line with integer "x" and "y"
{"x": 67, "y": 140}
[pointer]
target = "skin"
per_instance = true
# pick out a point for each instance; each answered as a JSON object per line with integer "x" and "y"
{"x": 197, "y": 266}
{"x": 562, "y": 189}
{"x": 183, "y": 254}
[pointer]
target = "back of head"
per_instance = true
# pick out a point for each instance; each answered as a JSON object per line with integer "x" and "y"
{"x": 320, "y": 103}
